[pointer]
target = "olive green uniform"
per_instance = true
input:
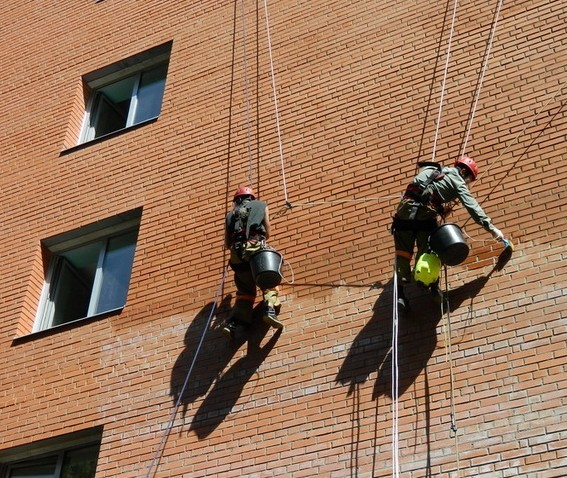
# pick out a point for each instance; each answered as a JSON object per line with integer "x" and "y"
{"x": 417, "y": 215}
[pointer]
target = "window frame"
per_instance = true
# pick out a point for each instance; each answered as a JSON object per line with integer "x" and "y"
{"x": 132, "y": 67}
{"x": 100, "y": 233}
{"x": 41, "y": 451}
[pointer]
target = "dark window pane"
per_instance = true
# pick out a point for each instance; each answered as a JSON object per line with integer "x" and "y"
{"x": 80, "y": 463}
{"x": 116, "y": 271}
{"x": 112, "y": 104}
{"x": 150, "y": 94}
{"x": 71, "y": 295}
{"x": 45, "y": 469}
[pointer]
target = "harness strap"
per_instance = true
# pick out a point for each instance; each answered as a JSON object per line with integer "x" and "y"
{"x": 404, "y": 254}
{"x": 418, "y": 193}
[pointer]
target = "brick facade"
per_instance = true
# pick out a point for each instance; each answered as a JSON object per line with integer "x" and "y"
{"x": 358, "y": 89}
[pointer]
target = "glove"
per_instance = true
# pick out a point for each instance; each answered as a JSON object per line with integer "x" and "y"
{"x": 497, "y": 234}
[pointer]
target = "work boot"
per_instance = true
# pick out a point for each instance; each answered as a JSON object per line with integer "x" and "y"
{"x": 233, "y": 328}
{"x": 403, "y": 303}
{"x": 271, "y": 318}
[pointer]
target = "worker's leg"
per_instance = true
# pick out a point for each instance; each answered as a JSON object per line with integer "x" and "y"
{"x": 404, "y": 243}
{"x": 245, "y": 295}
{"x": 271, "y": 308}
{"x": 241, "y": 314}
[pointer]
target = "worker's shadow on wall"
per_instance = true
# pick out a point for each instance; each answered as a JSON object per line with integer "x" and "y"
{"x": 417, "y": 338}
{"x": 226, "y": 391}
{"x": 205, "y": 375}
{"x": 196, "y": 370}
{"x": 370, "y": 351}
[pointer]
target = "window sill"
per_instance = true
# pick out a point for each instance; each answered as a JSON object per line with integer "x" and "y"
{"x": 106, "y": 136}
{"x": 66, "y": 326}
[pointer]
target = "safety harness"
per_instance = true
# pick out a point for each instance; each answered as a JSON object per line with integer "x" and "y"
{"x": 421, "y": 194}
{"x": 244, "y": 225}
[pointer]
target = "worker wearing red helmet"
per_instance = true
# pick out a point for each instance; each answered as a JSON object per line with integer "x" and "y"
{"x": 425, "y": 200}
{"x": 246, "y": 229}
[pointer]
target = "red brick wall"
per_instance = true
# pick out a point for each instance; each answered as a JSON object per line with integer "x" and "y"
{"x": 358, "y": 89}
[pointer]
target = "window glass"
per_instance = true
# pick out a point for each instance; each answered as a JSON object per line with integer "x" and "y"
{"x": 80, "y": 463}
{"x": 70, "y": 293}
{"x": 116, "y": 271}
{"x": 111, "y": 107}
{"x": 45, "y": 469}
{"x": 150, "y": 94}
{"x": 89, "y": 271}
{"x": 72, "y": 455}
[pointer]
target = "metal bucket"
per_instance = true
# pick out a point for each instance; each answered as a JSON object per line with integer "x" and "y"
{"x": 448, "y": 243}
{"x": 266, "y": 265}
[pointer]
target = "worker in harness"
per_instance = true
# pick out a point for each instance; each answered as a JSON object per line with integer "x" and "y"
{"x": 246, "y": 229}
{"x": 427, "y": 199}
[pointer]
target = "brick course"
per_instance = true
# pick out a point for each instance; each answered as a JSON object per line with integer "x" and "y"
{"x": 358, "y": 94}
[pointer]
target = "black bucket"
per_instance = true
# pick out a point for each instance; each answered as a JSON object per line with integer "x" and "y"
{"x": 448, "y": 243}
{"x": 266, "y": 265}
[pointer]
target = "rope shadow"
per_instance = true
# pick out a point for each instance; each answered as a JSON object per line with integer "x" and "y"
{"x": 370, "y": 352}
{"x": 226, "y": 391}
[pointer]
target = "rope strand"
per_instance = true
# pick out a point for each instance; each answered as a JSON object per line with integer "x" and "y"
{"x": 443, "y": 83}
{"x": 481, "y": 78}
{"x": 395, "y": 380}
{"x": 276, "y": 110}
{"x": 247, "y": 95}
{"x": 449, "y": 357}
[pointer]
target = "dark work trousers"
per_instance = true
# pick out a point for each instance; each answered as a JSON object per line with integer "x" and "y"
{"x": 246, "y": 287}
{"x": 413, "y": 223}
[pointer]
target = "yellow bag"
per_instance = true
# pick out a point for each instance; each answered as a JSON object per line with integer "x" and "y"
{"x": 427, "y": 269}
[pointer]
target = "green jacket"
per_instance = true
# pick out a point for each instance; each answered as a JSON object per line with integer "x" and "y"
{"x": 451, "y": 186}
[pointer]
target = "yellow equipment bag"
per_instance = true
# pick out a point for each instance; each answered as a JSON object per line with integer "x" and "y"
{"x": 427, "y": 269}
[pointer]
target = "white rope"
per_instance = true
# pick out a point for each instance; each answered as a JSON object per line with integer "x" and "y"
{"x": 275, "y": 100}
{"x": 395, "y": 381}
{"x": 484, "y": 67}
{"x": 340, "y": 201}
{"x": 444, "y": 82}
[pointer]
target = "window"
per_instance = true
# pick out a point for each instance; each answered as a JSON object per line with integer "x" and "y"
{"x": 125, "y": 94}
{"x": 70, "y": 456}
{"x": 88, "y": 271}
{"x": 77, "y": 463}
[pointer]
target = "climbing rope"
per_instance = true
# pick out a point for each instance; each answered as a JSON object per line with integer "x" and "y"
{"x": 247, "y": 95}
{"x": 275, "y": 95}
{"x": 395, "y": 380}
{"x": 449, "y": 358}
{"x": 481, "y": 78}
{"x": 152, "y": 468}
{"x": 444, "y": 82}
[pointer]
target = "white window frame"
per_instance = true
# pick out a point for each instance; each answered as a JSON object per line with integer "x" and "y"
{"x": 96, "y": 235}
{"x": 133, "y": 67}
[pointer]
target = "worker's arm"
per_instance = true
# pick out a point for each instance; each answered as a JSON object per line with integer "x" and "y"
{"x": 476, "y": 212}
{"x": 267, "y": 222}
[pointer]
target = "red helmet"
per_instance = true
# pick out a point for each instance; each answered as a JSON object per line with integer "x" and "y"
{"x": 469, "y": 164}
{"x": 244, "y": 191}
